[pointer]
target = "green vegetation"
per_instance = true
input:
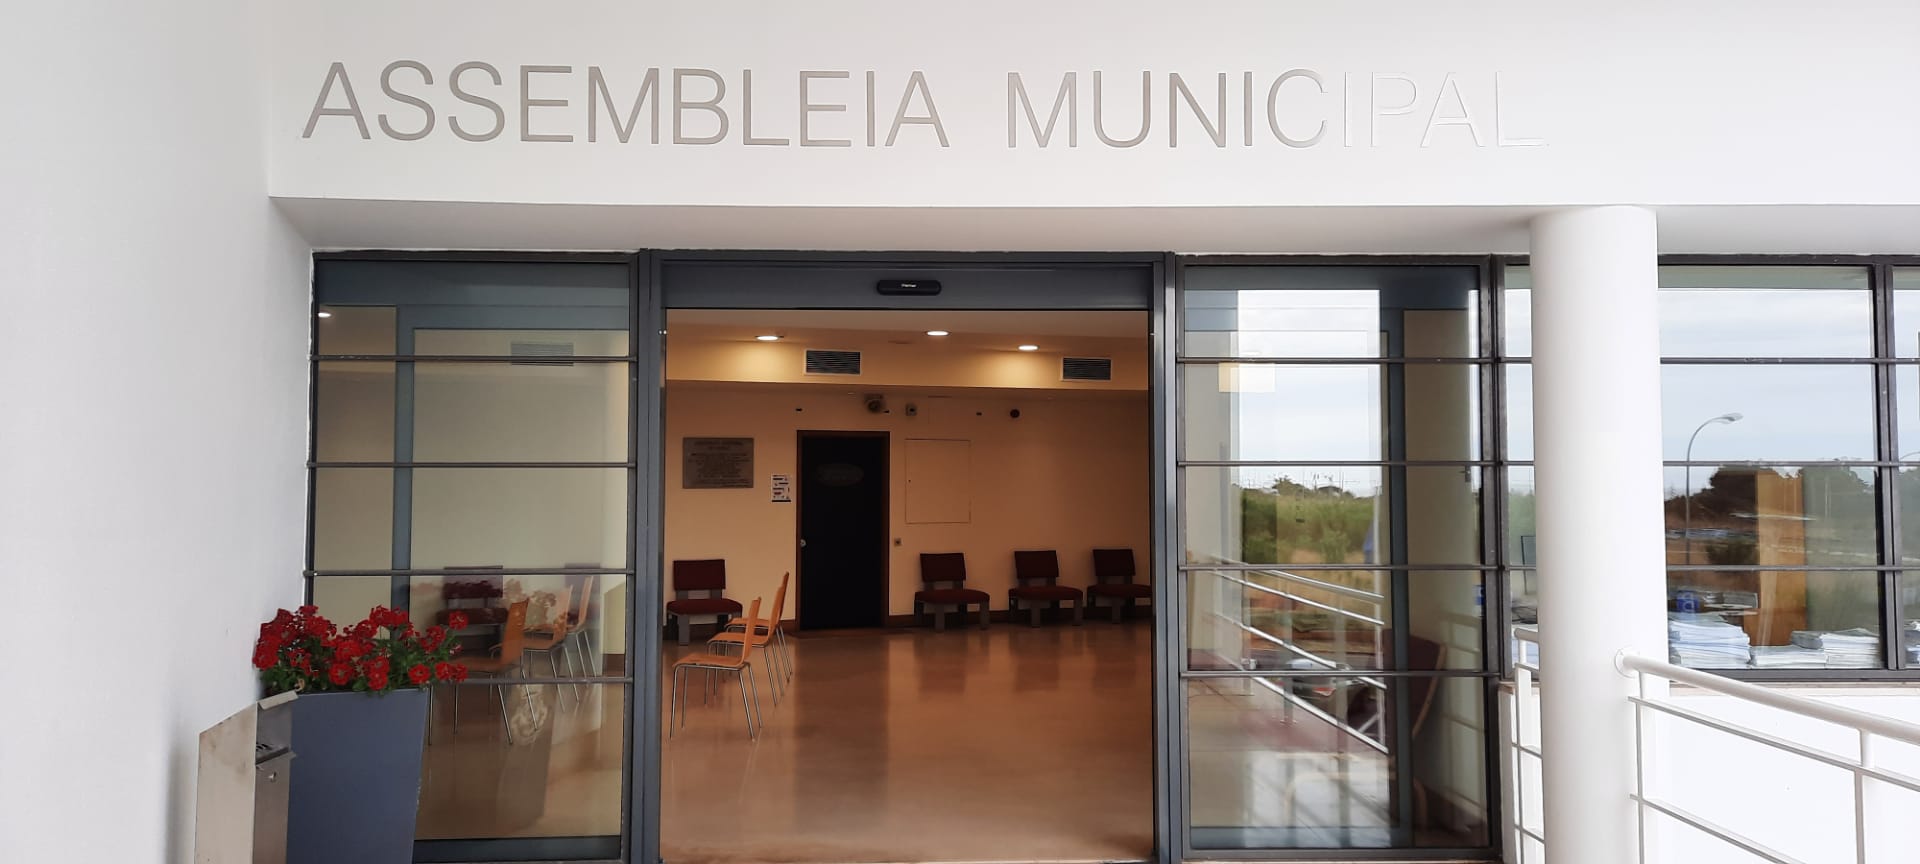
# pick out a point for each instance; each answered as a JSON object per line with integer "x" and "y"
{"x": 1279, "y": 523}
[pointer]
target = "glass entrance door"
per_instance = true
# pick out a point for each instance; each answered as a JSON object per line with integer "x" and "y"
{"x": 1334, "y": 560}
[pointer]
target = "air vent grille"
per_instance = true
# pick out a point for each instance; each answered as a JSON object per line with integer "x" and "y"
{"x": 1086, "y": 369}
{"x": 542, "y": 349}
{"x": 825, "y": 362}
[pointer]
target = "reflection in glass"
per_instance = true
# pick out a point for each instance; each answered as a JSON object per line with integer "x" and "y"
{"x": 1906, "y": 402}
{"x": 1906, "y": 312}
{"x": 1771, "y": 516}
{"x": 1787, "y": 412}
{"x": 1774, "y": 619}
{"x": 1312, "y": 311}
{"x": 1331, "y": 514}
{"x": 559, "y": 412}
{"x": 352, "y": 519}
{"x": 1909, "y": 650}
{"x": 519, "y": 517}
{"x": 353, "y": 412}
{"x": 1267, "y": 412}
{"x": 1520, "y": 530}
{"x": 1516, "y": 316}
{"x": 1519, "y": 411}
{"x": 1313, "y": 620}
{"x": 1748, "y": 311}
{"x": 559, "y": 776}
{"x": 1328, "y": 763}
{"x": 355, "y": 330}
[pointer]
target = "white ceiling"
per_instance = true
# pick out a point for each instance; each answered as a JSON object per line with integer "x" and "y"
{"x": 365, "y": 224}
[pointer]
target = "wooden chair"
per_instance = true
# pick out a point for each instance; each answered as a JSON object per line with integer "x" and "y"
{"x": 767, "y": 638}
{"x": 697, "y": 586}
{"x": 1113, "y": 579}
{"x": 1035, "y": 578}
{"x": 947, "y": 568}
{"x": 552, "y": 639}
{"x": 739, "y": 664}
{"x": 504, "y": 658}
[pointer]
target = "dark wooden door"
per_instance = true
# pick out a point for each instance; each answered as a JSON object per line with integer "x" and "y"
{"x": 843, "y": 530}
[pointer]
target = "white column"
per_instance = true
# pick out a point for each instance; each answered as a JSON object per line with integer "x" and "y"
{"x": 1596, "y": 386}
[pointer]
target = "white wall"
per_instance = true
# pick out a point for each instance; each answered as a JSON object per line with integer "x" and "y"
{"x": 1642, "y": 101}
{"x": 152, "y": 414}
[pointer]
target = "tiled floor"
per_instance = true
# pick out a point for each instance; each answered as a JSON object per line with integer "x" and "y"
{"x": 1009, "y": 744}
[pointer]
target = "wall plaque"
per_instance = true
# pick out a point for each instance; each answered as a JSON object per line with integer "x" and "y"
{"x": 716, "y": 463}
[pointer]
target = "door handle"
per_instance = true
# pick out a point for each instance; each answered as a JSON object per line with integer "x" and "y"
{"x": 803, "y": 542}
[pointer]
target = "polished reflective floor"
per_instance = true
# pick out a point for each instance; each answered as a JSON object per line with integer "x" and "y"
{"x": 1009, "y": 744}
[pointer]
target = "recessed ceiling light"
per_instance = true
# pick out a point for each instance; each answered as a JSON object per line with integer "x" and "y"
{"x": 324, "y": 314}
{"x": 768, "y": 338}
{"x": 936, "y": 332}
{"x": 1029, "y": 347}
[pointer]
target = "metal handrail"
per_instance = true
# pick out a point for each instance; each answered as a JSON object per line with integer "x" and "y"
{"x": 1885, "y": 727}
{"x": 1304, "y": 654}
{"x": 1302, "y": 600}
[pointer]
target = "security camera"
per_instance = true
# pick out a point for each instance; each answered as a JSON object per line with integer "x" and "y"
{"x": 913, "y": 410}
{"x": 1015, "y": 413}
{"x": 876, "y": 405}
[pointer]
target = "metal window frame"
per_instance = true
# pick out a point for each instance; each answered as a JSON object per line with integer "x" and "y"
{"x": 1894, "y": 580}
{"x": 1493, "y": 579}
{"x": 638, "y": 574}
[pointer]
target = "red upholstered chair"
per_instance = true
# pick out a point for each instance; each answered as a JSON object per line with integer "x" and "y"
{"x": 1113, "y": 580}
{"x": 1035, "y": 575}
{"x": 696, "y": 593}
{"x": 949, "y": 569}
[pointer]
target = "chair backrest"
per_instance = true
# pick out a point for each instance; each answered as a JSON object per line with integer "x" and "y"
{"x": 779, "y": 602}
{"x": 936, "y": 567}
{"x": 1112, "y": 565}
{"x": 513, "y": 637}
{"x": 1040, "y": 565}
{"x": 560, "y": 609}
{"x": 753, "y": 617}
{"x": 708, "y": 574}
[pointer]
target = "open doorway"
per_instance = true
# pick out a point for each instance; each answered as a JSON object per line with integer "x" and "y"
{"x": 951, "y": 511}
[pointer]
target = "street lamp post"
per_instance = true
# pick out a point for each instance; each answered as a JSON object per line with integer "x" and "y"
{"x": 1686, "y": 484}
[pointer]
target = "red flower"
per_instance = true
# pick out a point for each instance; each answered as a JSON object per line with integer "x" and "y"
{"x": 309, "y": 611}
{"x": 264, "y": 657}
{"x": 340, "y": 673}
{"x": 457, "y": 620}
{"x": 318, "y": 626}
{"x": 377, "y": 680}
{"x": 419, "y": 674}
{"x": 435, "y": 635}
{"x": 382, "y": 665}
{"x": 459, "y": 673}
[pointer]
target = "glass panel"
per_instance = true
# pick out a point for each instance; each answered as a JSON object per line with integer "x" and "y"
{"x": 1746, "y": 311}
{"x": 346, "y": 600}
{"x": 1316, "y": 311}
{"x": 559, "y": 776}
{"x": 1445, "y": 609}
{"x": 1520, "y": 529}
{"x": 1263, "y": 412}
{"x": 1523, "y": 607}
{"x": 494, "y": 308}
{"x": 519, "y": 517}
{"x": 1906, "y": 312}
{"x": 1519, "y": 411}
{"x": 1906, "y": 401}
{"x": 479, "y": 412}
{"x": 1774, "y": 619}
{"x": 1323, "y": 763}
{"x": 1328, "y": 514}
{"x": 1771, "y": 516}
{"x": 1516, "y": 313}
{"x": 352, "y": 518}
{"x": 1767, "y": 412}
{"x": 353, "y": 414}
{"x": 1907, "y": 486}
{"x": 1312, "y": 620}
{"x": 1910, "y": 620}
{"x": 355, "y": 329}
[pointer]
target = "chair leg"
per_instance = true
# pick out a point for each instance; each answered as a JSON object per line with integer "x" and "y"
{"x": 553, "y": 665}
{"x": 985, "y": 612}
{"x": 745, "y": 707}
{"x": 686, "y": 629}
{"x": 1078, "y": 612}
{"x": 673, "y": 705}
{"x": 786, "y": 652}
{"x": 454, "y": 691}
{"x": 506, "y": 721}
{"x": 1033, "y": 615}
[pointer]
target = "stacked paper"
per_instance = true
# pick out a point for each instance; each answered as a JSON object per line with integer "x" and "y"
{"x": 1704, "y": 641}
{"x": 1845, "y": 649}
{"x": 1788, "y": 657}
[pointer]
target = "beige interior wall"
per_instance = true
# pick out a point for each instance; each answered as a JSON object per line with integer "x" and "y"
{"x": 1068, "y": 475}
{"x": 704, "y": 353}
